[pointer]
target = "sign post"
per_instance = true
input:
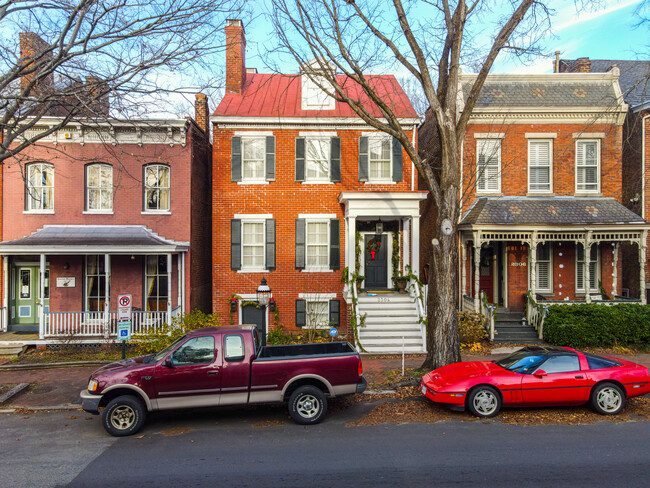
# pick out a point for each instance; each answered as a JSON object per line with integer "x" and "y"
{"x": 124, "y": 308}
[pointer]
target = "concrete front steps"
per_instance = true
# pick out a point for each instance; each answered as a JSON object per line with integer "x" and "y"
{"x": 392, "y": 324}
{"x": 510, "y": 329}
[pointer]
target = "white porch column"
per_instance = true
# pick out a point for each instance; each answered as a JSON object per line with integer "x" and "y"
{"x": 107, "y": 295}
{"x": 350, "y": 245}
{"x": 415, "y": 243}
{"x": 587, "y": 267}
{"x": 532, "y": 260}
{"x": 406, "y": 255}
{"x": 5, "y": 300}
{"x": 477, "y": 270}
{"x": 463, "y": 272}
{"x": 41, "y": 299}
{"x": 181, "y": 274}
{"x": 169, "y": 288}
{"x": 642, "y": 258}
{"x": 178, "y": 271}
{"x": 615, "y": 271}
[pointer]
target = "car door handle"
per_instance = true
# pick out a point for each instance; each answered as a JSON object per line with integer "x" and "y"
{"x": 579, "y": 377}
{"x": 213, "y": 372}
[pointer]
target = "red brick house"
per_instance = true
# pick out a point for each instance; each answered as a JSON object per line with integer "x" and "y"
{"x": 297, "y": 179}
{"x": 543, "y": 209}
{"x": 100, "y": 209}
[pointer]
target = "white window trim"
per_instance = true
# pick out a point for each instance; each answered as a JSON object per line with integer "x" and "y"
{"x": 98, "y": 212}
{"x": 598, "y": 167}
{"x": 538, "y": 289}
{"x": 320, "y": 136}
{"x": 250, "y": 297}
{"x": 597, "y": 270}
{"x": 258, "y": 219}
{"x": 155, "y": 212}
{"x": 487, "y": 190}
{"x": 253, "y": 181}
{"x": 380, "y": 181}
{"x": 320, "y": 219}
{"x": 550, "y": 166}
{"x": 145, "y": 187}
{"x": 305, "y": 82}
{"x": 35, "y": 212}
{"x": 28, "y": 205}
{"x": 100, "y": 188}
{"x": 316, "y": 298}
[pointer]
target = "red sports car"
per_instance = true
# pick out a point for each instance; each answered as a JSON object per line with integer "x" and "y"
{"x": 538, "y": 376}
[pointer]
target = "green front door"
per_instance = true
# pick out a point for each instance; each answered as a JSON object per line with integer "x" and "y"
{"x": 26, "y": 296}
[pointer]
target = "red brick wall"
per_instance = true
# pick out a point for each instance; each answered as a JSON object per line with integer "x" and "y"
{"x": 285, "y": 199}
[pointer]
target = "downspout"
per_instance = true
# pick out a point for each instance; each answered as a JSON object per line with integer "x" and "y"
{"x": 415, "y": 127}
{"x": 643, "y": 151}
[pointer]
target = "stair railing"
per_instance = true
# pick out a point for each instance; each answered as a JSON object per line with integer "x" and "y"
{"x": 487, "y": 311}
{"x": 416, "y": 294}
{"x": 536, "y": 314}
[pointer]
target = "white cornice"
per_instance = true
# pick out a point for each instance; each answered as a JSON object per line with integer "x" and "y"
{"x": 227, "y": 122}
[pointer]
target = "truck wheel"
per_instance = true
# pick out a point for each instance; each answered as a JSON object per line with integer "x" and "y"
{"x": 307, "y": 405}
{"x": 124, "y": 415}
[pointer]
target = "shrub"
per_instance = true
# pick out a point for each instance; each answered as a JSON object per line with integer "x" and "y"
{"x": 593, "y": 325}
{"x": 471, "y": 327}
{"x": 278, "y": 336}
{"x": 154, "y": 341}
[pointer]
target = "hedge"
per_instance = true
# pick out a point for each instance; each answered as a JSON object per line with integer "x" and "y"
{"x": 593, "y": 325}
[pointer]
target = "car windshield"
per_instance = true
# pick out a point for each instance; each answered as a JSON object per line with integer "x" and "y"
{"x": 169, "y": 348}
{"x": 522, "y": 361}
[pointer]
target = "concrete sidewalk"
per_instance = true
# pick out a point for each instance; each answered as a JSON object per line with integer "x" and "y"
{"x": 58, "y": 388}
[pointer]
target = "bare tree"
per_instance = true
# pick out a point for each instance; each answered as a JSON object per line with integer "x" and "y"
{"x": 429, "y": 40}
{"x": 70, "y": 58}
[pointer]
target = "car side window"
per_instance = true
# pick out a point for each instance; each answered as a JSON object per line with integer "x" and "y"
{"x": 197, "y": 350}
{"x": 233, "y": 347}
{"x": 561, "y": 364}
{"x": 597, "y": 362}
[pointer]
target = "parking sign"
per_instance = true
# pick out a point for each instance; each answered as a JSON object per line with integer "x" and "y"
{"x": 124, "y": 330}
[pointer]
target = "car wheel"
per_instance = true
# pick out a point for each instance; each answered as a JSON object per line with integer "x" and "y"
{"x": 124, "y": 415}
{"x": 307, "y": 405}
{"x": 607, "y": 399}
{"x": 484, "y": 401}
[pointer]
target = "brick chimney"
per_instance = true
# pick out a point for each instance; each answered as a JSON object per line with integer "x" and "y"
{"x": 201, "y": 112}
{"x": 583, "y": 65}
{"x": 235, "y": 56}
{"x": 33, "y": 49}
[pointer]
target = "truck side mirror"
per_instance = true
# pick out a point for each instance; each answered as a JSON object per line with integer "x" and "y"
{"x": 167, "y": 363}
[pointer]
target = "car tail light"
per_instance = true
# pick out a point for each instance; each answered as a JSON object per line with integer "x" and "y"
{"x": 360, "y": 368}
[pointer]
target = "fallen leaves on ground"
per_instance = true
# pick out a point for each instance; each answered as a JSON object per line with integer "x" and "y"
{"x": 268, "y": 423}
{"x": 175, "y": 431}
{"x": 407, "y": 405}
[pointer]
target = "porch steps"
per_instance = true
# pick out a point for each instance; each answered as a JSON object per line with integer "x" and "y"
{"x": 12, "y": 349}
{"x": 391, "y": 324}
{"x": 510, "y": 329}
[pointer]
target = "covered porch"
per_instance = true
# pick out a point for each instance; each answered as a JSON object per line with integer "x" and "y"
{"x": 62, "y": 282}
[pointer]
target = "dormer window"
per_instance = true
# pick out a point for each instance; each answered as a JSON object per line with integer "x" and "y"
{"x": 315, "y": 87}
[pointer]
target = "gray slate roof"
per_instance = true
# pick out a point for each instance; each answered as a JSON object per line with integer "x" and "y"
{"x": 549, "y": 211}
{"x": 545, "y": 93}
{"x": 634, "y": 79}
{"x": 94, "y": 238}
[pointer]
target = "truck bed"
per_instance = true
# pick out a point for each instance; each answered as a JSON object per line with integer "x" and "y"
{"x": 305, "y": 350}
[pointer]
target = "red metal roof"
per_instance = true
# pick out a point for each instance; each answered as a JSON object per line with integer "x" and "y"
{"x": 277, "y": 95}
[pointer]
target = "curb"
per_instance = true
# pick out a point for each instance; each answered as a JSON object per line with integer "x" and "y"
{"x": 13, "y": 392}
{"x": 69, "y": 406}
{"x": 67, "y": 364}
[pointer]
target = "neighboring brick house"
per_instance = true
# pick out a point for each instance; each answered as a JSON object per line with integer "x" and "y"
{"x": 541, "y": 171}
{"x": 635, "y": 86}
{"x": 103, "y": 208}
{"x": 296, "y": 176}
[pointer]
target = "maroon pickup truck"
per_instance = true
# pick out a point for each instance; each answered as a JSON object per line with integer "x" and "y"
{"x": 223, "y": 366}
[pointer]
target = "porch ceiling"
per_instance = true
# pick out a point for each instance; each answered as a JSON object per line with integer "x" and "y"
{"x": 92, "y": 239}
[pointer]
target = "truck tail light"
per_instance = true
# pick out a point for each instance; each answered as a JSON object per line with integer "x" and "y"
{"x": 360, "y": 368}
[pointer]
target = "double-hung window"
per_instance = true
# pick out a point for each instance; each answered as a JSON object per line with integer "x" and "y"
{"x": 318, "y": 157}
{"x": 317, "y": 243}
{"x": 156, "y": 280}
{"x": 253, "y": 157}
{"x": 99, "y": 187}
{"x": 380, "y": 159}
{"x": 488, "y": 165}
{"x": 157, "y": 186}
{"x": 317, "y": 162}
{"x": 318, "y": 310}
{"x": 594, "y": 268}
{"x": 540, "y": 166}
{"x": 40, "y": 187}
{"x": 544, "y": 268}
{"x": 379, "y": 162}
{"x": 252, "y": 239}
{"x": 587, "y": 166}
{"x": 95, "y": 286}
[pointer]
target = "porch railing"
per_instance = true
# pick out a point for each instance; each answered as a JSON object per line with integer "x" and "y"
{"x": 98, "y": 324}
{"x": 467, "y": 304}
{"x": 487, "y": 311}
{"x": 416, "y": 293}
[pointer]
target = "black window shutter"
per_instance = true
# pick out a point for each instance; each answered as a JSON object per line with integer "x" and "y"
{"x": 397, "y": 160}
{"x": 235, "y": 244}
{"x": 301, "y": 313}
{"x": 363, "y": 158}
{"x": 235, "y": 158}
{"x": 300, "y": 243}
{"x": 300, "y": 159}
{"x": 335, "y": 313}
{"x": 270, "y": 158}
{"x": 270, "y": 244}
{"x": 335, "y": 246}
{"x": 335, "y": 159}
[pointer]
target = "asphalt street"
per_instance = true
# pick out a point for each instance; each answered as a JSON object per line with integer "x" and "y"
{"x": 262, "y": 448}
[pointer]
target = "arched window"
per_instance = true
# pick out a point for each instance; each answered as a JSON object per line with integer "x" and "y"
{"x": 99, "y": 187}
{"x": 40, "y": 187}
{"x": 156, "y": 188}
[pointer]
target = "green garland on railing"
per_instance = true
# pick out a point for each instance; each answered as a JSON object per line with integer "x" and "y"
{"x": 397, "y": 258}
{"x": 360, "y": 321}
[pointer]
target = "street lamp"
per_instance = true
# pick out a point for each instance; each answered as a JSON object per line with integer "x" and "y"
{"x": 263, "y": 293}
